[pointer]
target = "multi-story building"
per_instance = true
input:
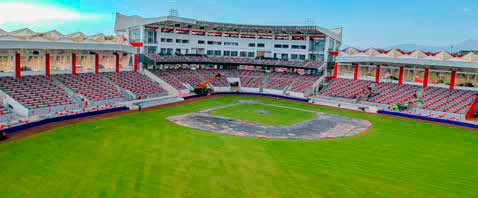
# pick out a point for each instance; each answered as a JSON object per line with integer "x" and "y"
{"x": 176, "y": 35}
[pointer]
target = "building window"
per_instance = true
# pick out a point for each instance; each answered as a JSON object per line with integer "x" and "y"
{"x": 252, "y": 45}
{"x": 234, "y": 53}
{"x": 301, "y": 57}
{"x": 214, "y": 43}
{"x": 294, "y": 56}
{"x": 317, "y": 45}
{"x": 150, "y": 36}
{"x": 231, "y": 43}
{"x": 243, "y": 54}
{"x": 281, "y": 46}
{"x": 182, "y": 41}
{"x": 285, "y": 56}
{"x": 210, "y": 52}
{"x": 134, "y": 35}
{"x": 150, "y": 49}
{"x": 217, "y": 53}
{"x": 298, "y": 47}
{"x": 166, "y": 40}
{"x": 261, "y": 45}
{"x": 201, "y": 42}
{"x": 265, "y": 37}
{"x": 250, "y": 54}
{"x": 227, "y": 53}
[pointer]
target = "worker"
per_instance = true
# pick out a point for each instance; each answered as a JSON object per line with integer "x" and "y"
{"x": 395, "y": 107}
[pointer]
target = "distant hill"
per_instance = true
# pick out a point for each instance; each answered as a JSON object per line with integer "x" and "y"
{"x": 470, "y": 44}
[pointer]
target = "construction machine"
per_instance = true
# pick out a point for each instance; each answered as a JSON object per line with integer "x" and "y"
{"x": 202, "y": 88}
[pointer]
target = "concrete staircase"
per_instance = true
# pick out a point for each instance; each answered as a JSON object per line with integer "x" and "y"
{"x": 170, "y": 89}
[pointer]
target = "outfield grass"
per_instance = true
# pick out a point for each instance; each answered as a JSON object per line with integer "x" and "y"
{"x": 275, "y": 116}
{"x": 144, "y": 155}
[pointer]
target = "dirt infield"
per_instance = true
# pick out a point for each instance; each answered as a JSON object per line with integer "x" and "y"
{"x": 320, "y": 126}
{"x": 46, "y": 127}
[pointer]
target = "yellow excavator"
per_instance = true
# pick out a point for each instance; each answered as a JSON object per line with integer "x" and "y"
{"x": 201, "y": 88}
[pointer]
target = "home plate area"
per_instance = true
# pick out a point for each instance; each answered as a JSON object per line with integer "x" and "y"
{"x": 320, "y": 127}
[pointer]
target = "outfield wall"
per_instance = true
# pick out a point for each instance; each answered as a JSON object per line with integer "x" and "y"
{"x": 248, "y": 94}
{"x": 425, "y": 118}
{"x": 61, "y": 118}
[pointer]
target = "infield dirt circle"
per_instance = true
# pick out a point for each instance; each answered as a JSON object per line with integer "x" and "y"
{"x": 319, "y": 126}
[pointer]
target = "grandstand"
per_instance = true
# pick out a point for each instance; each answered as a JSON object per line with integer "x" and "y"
{"x": 35, "y": 91}
{"x": 50, "y": 74}
{"x": 403, "y": 78}
{"x": 139, "y": 85}
{"x": 91, "y": 87}
{"x": 250, "y": 80}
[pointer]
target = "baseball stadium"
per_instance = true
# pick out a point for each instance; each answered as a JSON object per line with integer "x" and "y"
{"x": 179, "y": 107}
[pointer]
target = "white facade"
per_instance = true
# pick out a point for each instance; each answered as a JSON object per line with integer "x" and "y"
{"x": 175, "y": 35}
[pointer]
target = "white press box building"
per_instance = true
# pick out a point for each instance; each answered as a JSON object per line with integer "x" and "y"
{"x": 177, "y": 35}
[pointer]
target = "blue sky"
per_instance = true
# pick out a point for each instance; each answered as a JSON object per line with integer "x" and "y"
{"x": 370, "y": 23}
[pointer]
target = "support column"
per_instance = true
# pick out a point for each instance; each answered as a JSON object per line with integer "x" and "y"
{"x": 73, "y": 64}
{"x": 425, "y": 79}
{"x": 117, "y": 63}
{"x": 452, "y": 79}
{"x": 377, "y": 74}
{"x": 97, "y": 63}
{"x": 336, "y": 70}
{"x": 47, "y": 64}
{"x": 17, "y": 65}
{"x": 400, "y": 76}
{"x": 356, "y": 70}
{"x": 135, "y": 62}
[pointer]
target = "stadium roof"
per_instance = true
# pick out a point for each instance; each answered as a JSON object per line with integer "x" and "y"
{"x": 28, "y": 39}
{"x": 124, "y": 22}
{"x": 417, "y": 57}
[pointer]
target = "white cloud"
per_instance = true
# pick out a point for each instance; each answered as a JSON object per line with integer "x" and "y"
{"x": 30, "y": 14}
{"x": 467, "y": 9}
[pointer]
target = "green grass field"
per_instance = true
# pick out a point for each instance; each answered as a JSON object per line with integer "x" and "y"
{"x": 143, "y": 155}
{"x": 276, "y": 116}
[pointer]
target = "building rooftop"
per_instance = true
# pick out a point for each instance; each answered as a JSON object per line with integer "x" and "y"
{"x": 412, "y": 58}
{"x": 124, "y": 22}
{"x": 29, "y": 39}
